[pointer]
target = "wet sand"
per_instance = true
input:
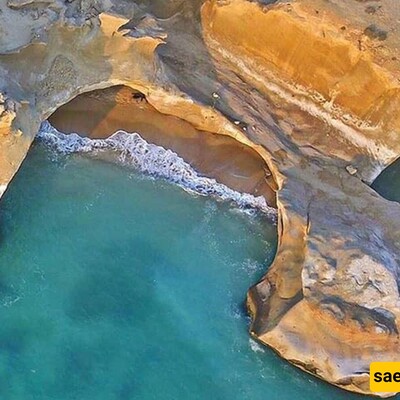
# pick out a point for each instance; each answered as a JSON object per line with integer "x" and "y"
{"x": 100, "y": 113}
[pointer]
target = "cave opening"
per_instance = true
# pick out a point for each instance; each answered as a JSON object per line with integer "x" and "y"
{"x": 100, "y": 113}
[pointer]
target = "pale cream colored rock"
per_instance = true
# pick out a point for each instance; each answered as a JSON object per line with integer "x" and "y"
{"x": 351, "y": 170}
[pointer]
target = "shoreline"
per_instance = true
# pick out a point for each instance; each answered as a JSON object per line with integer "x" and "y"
{"x": 316, "y": 306}
{"x": 131, "y": 150}
{"x": 99, "y": 114}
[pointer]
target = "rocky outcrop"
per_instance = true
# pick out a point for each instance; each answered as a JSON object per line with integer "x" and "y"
{"x": 311, "y": 86}
{"x": 307, "y": 55}
{"x": 303, "y": 55}
{"x": 330, "y": 301}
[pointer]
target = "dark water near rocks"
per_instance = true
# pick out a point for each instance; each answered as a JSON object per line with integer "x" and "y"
{"x": 117, "y": 286}
{"x": 387, "y": 184}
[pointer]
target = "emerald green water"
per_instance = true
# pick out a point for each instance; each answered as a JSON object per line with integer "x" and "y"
{"x": 118, "y": 286}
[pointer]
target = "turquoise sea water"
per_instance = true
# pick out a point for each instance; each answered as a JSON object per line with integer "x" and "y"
{"x": 387, "y": 184}
{"x": 117, "y": 286}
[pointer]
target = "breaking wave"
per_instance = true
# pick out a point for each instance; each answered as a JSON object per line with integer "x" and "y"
{"x": 257, "y": 348}
{"x": 154, "y": 160}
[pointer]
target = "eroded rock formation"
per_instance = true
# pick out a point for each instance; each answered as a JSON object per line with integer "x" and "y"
{"x": 311, "y": 86}
{"x": 100, "y": 113}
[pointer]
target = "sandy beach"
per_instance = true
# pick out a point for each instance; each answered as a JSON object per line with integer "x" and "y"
{"x": 100, "y": 113}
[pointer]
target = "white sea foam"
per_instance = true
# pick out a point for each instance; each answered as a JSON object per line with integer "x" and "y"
{"x": 2, "y": 189}
{"x": 154, "y": 160}
{"x": 257, "y": 348}
{"x": 251, "y": 267}
{"x": 8, "y": 301}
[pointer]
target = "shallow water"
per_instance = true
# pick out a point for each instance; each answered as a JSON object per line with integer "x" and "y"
{"x": 387, "y": 184}
{"x": 114, "y": 285}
